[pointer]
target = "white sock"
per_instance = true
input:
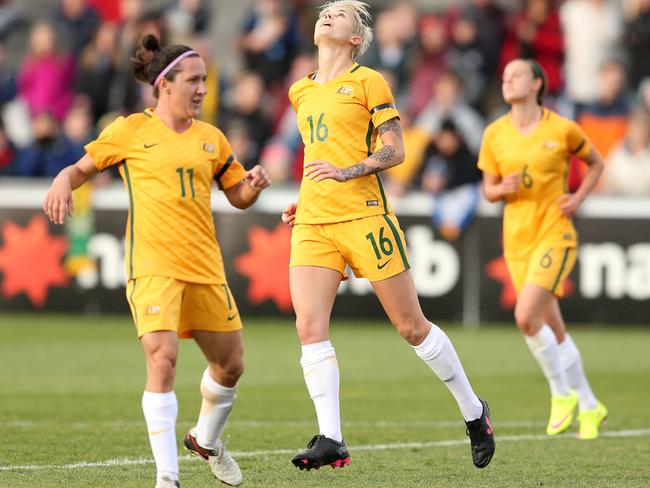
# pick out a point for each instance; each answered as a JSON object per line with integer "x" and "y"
{"x": 215, "y": 410}
{"x": 437, "y": 351}
{"x": 544, "y": 347}
{"x": 321, "y": 372}
{"x": 160, "y": 411}
{"x": 575, "y": 374}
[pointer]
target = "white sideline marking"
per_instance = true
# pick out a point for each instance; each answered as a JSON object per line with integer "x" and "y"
{"x": 504, "y": 424}
{"x": 370, "y": 447}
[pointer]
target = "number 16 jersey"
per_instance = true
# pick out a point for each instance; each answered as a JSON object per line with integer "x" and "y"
{"x": 337, "y": 121}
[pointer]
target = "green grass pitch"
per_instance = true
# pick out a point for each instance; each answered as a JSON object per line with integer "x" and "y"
{"x": 70, "y": 415}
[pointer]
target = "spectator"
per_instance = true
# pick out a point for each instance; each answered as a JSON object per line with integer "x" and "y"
{"x": 605, "y": 119}
{"x": 448, "y": 103}
{"x": 7, "y": 153}
{"x": 466, "y": 56}
{"x": 188, "y": 18}
{"x": 450, "y": 174}
{"x": 244, "y": 117}
{"x": 637, "y": 39}
{"x": 390, "y": 51}
{"x": 593, "y": 31}
{"x": 430, "y": 62}
{"x": 7, "y": 79}
{"x": 270, "y": 39}
{"x": 76, "y": 23}
{"x": 628, "y": 166}
{"x": 45, "y": 77}
{"x": 97, "y": 68}
{"x": 535, "y": 33}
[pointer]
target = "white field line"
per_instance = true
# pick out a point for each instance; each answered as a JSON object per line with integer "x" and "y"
{"x": 386, "y": 424}
{"x": 369, "y": 447}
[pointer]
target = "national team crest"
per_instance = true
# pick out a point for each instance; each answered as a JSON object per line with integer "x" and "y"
{"x": 209, "y": 147}
{"x": 550, "y": 145}
{"x": 344, "y": 90}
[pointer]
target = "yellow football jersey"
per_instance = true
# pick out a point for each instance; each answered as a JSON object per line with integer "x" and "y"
{"x": 337, "y": 121}
{"x": 532, "y": 215}
{"x": 170, "y": 230}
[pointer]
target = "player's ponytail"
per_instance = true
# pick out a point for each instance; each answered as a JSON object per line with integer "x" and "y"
{"x": 151, "y": 61}
{"x": 538, "y": 74}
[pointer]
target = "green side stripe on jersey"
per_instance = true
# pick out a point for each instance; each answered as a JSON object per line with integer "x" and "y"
{"x": 355, "y": 68}
{"x": 383, "y": 195}
{"x": 400, "y": 246}
{"x": 371, "y": 129}
{"x": 135, "y": 310}
{"x": 131, "y": 218}
{"x": 559, "y": 274}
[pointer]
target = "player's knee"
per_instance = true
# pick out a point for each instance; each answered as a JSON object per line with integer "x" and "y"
{"x": 524, "y": 321}
{"x": 162, "y": 366}
{"x": 311, "y": 330}
{"x": 233, "y": 371}
{"x": 413, "y": 330}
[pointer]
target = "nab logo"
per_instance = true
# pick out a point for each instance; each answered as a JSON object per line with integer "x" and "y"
{"x": 152, "y": 310}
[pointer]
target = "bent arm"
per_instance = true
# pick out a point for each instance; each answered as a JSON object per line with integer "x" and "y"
{"x": 247, "y": 191}
{"x": 58, "y": 200}
{"x": 391, "y": 154}
{"x": 595, "y": 169}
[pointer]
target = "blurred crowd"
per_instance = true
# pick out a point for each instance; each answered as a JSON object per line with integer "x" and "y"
{"x": 66, "y": 74}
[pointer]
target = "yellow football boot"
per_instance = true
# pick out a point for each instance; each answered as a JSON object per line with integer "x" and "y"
{"x": 562, "y": 410}
{"x": 590, "y": 421}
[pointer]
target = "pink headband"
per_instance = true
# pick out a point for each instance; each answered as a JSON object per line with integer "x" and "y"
{"x": 171, "y": 65}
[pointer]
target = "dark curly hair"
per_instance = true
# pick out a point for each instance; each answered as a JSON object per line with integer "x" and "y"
{"x": 151, "y": 59}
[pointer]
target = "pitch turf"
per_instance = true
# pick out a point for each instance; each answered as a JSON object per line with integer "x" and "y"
{"x": 70, "y": 415}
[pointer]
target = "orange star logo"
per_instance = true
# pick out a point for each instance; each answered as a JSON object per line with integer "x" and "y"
{"x": 31, "y": 260}
{"x": 498, "y": 271}
{"x": 267, "y": 265}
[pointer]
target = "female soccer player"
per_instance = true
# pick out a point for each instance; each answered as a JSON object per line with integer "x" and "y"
{"x": 177, "y": 286}
{"x": 525, "y": 159}
{"x": 342, "y": 217}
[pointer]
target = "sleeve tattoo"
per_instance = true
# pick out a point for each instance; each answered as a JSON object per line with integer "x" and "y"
{"x": 384, "y": 157}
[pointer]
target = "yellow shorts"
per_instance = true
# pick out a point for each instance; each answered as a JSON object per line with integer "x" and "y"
{"x": 161, "y": 303}
{"x": 547, "y": 266}
{"x": 373, "y": 247}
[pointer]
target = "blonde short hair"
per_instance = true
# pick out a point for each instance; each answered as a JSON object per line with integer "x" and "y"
{"x": 360, "y": 19}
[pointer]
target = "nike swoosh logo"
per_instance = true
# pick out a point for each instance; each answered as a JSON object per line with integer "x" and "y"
{"x": 147, "y": 146}
{"x": 157, "y": 432}
{"x": 555, "y": 426}
{"x": 230, "y": 317}
{"x": 381, "y": 266}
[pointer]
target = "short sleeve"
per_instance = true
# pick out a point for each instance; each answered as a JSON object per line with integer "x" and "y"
{"x": 578, "y": 143}
{"x": 486, "y": 160}
{"x": 229, "y": 171}
{"x": 380, "y": 100}
{"x": 112, "y": 145}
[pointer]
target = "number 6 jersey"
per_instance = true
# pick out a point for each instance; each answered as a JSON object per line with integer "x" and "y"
{"x": 532, "y": 215}
{"x": 337, "y": 121}
{"x": 170, "y": 229}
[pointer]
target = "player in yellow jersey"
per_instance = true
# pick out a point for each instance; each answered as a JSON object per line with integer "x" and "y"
{"x": 177, "y": 286}
{"x": 342, "y": 217}
{"x": 525, "y": 159}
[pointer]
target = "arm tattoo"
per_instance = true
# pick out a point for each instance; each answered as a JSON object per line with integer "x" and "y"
{"x": 385, "y": 156}
{"x": 358, "y": 170}
{"x": 390, "y": 125}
